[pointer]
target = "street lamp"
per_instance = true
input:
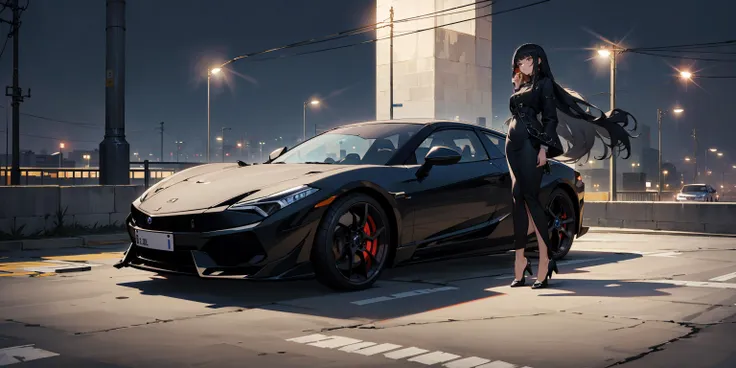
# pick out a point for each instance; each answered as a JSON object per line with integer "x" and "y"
{"x": 61, "y": 154}
{"x": 86, "y": 157}
{"x": 686, "y": 75}
{"x": 210, "y": 72}
{"x": 606, "y": 53}
{"x": 313, "y": 103}
{"x": 660, "y": 112}
{"x": 260, "y": 148}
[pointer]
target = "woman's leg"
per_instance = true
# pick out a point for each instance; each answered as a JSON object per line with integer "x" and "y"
{"x": 519, "y": 216}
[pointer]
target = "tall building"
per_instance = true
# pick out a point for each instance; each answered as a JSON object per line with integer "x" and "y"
{"x": 442, "y": 73}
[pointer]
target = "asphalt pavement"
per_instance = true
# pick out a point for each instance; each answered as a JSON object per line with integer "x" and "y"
{"x": 628, "y": 300}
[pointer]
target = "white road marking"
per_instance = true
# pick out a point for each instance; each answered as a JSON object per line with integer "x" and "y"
{"x": 704, "y": 284}
{"x": 405, "y": 353}
{"x": 396, "y": 352}
{"x": 358, "y": 346}
{"x": 665, "y": 254}
{"x": 498, "y": 364}
{"x": 335, "y": 342}
{"x": 434, "y": 358}
{"x": 25, "y": 353}
{"x": 724, "y": 277}
{"x": 405, "y": 294}
{"x": 308, "y": 338}
{"x": 466, "y": 362}
{"x": 373, "y": 350}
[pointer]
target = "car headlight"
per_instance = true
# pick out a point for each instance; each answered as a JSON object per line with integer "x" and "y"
{"x": 270, "y": 204}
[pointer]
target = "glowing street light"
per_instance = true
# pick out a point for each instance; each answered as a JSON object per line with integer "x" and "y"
{"x": 686, "y": 75}
{"x": 604, "y": 53}
{"x": 314, "y": 102}
{"x": 219, "y": 139}
{"x": 714, "y": 149}
{"x": 687, "y": 159}
{"x": 678, "y": 110}
{"x": 210, "y": 72}
{"x": 720, "y": 154}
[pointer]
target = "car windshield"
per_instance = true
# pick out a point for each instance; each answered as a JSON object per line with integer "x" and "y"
{"x": 694, "y": 188}
{"x": 369, "y": 144}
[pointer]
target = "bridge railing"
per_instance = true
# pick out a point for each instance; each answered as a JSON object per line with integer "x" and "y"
{"x": 141, "y": 173}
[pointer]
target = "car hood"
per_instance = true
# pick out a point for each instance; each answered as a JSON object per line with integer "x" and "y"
{"x": 207, "y": 186}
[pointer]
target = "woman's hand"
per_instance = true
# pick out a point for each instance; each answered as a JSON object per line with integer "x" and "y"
{"x": 516, "y": 80}
{"x": 542, "y": 157}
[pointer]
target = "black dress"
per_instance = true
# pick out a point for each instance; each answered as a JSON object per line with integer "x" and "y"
{"x": 522, "y": 151}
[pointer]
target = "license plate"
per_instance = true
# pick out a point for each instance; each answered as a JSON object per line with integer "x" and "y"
{"x": 154, "y": 240}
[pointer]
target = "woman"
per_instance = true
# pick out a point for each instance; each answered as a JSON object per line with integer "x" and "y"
{"x": 533, "y": 138}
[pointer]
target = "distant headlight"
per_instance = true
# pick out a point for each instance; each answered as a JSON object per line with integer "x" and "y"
{"x": 268, "y": 205}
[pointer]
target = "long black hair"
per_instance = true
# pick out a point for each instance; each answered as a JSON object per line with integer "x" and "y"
{"x": 578, "y": 126}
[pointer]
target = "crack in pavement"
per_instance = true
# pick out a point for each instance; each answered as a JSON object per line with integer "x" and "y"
{"x": 371, "y": 325}
{"x": 157, "y": 321}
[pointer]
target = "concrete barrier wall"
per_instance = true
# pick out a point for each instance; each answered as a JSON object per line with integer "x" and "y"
{"x": 716, "y": 217}
{"x": 30, "y": 210}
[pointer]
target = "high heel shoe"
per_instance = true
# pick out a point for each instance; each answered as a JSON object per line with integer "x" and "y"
{"x": 522, "y": 282}
{"x": 552, "y": 267}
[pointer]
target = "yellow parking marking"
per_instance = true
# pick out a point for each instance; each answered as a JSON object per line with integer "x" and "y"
{"x": 86, "y": 257}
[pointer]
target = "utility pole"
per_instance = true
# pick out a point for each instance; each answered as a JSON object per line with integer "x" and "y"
{"x": 659, "y": 153}
{"x": 391, "y": 67}
{"x": 695, "y": 155}
{"x": 161, "y": 130}
{"x": 114, "y": 149}
{"x": 612, "y": 179}
{"x": 17, "y": 95}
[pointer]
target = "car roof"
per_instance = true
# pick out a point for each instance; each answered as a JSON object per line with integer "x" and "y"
{"x": 422, "y": 121}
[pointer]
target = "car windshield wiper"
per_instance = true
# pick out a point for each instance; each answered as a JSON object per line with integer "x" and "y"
{"x": 317, "y": 163}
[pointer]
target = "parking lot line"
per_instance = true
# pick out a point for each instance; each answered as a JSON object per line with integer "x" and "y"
{"x": 725, "y": 277}
{"x": 24, "y": 353}
{"x": 405, "y": 294}
{"x": 703, "y": 284}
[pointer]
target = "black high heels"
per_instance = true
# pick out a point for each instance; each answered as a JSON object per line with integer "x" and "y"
{"x": 552, "y": 267}
{"x": 522, "y": 282}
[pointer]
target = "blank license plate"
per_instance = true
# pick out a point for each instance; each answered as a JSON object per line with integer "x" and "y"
{"x": 154, "y": 240}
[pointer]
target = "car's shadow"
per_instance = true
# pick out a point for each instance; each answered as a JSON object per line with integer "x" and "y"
{"x": 402, "y": 291}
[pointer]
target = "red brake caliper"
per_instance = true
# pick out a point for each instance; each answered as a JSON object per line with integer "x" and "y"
{"x": 564, "y": 226}
{"x": 370, "y": 245}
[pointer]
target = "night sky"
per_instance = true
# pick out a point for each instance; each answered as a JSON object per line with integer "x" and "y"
{"x": 170, "y": 43}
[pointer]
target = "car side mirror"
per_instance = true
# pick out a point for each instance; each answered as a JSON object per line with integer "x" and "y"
{"x": 277, "y": 153}
{"x": 438, "y": 156}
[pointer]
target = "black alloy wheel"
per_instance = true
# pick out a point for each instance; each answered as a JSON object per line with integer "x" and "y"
{"x": 561, "y": 220}
{"x": 352, "y": 244}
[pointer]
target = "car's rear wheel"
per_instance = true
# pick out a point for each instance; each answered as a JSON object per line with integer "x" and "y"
{"x": 561, "y": 220}
{"x": 352, "y": 243}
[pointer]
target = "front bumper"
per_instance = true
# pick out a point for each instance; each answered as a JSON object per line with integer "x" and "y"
{"x": 266, "y": 249}
{"x": 690, "y": 199}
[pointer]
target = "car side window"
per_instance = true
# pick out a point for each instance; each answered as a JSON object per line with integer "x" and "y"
{"x": 464, "y": 141}
{"x": 498, "y": 145}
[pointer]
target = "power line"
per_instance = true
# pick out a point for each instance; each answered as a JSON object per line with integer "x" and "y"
{"x": 76, "y": 123}
{"x": 707, "y": 44}
{"x": 682, "y": 57}
{"x": 402, "y": 34}
{"x": 343, "y": 34}
{"x": 715, "y": 76}
{"x": 53, "y": 138}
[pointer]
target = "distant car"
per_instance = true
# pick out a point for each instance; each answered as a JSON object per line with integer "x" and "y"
{"x": 697, "y": 192}
{"x": 345, "y": 204}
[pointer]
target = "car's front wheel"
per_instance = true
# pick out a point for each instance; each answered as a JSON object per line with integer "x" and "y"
{"x": 352, "y": 243}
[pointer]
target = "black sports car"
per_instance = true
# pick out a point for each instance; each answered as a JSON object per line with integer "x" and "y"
{"x": 344, "y": 205}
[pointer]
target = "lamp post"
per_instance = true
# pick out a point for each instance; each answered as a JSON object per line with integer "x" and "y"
{"x": 705, "y": 164}
{"x": 260, "y": 149}
{"x": 313, "y": 103}
{"x": 611, "y": 55}
{"x": 61, "y": 154}
{"x": 661, "y": 112}
{"x": 210, "y": 72}
{"x": 86, "y": 157}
